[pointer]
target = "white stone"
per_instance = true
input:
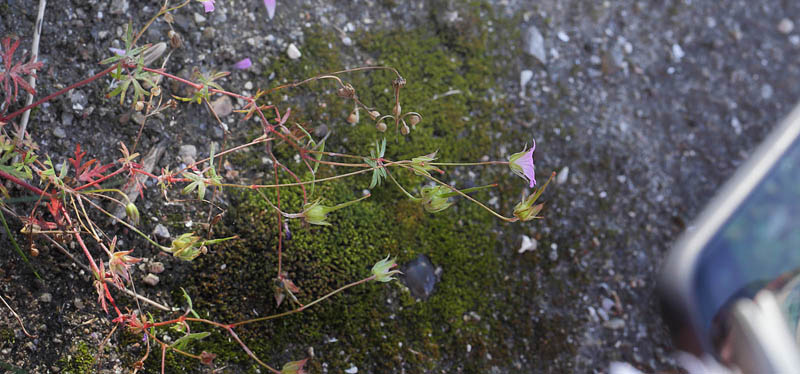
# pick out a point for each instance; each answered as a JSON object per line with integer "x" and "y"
{"x": 524, "y": 77}
{"x": 528, "y": 244}
{"x": 293, "y": 52}
{"x": 563, "y": 36}
{"x": 534, "y": 44}
{"x": 677, "y": 52}
{"x": 150, "y": 279}
{"x": 785, "y": 26}
{"x": 563, "y": 175}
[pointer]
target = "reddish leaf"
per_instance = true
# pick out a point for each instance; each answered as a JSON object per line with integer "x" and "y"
{"x": 13, "y": 72}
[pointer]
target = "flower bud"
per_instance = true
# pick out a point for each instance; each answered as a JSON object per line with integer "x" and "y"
{"x": 405, "y": 130}
{"x": 294, "y": 367}
{"x": 396, "y": 110}
{"x": 374, "y": 114}
{"x": 156, "y": 91}
{"x": 132, "y": 212}
{"x": 184, "y": 241}
{"x": 138, "y": 106}
{"x": 382, "y": 270}
{"x": 175, "y": 40}
{"x": 435, "y": 199}
{"x": 381, "y": 126}
{"x": 421, "y": 164}
{"x": 353, "y": 117}
{"x": 316, "y": 214}
{"x": 413, "y": 120}
{"x": 526, "y": 212}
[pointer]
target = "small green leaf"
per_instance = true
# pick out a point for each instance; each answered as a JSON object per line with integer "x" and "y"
{"x": 181, "y": 343}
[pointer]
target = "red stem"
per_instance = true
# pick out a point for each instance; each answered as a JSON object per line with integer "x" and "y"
{"x": 24, "y": 184}
{"x": 60, "y": 92}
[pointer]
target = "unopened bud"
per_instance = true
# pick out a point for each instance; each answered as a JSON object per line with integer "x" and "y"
{"x": 175, "y": 40}
{"x": 353, "y": 117}
{"x": 374, "y": 114}
{"x": 132, "y": 212}
{"x": 139, "y": 106}
{"x": 156, "y": 91}
{"x": 405, "y": 130}
{"x": 396, "y": 110}
{"x": 381, "y": 126}
{"x": 382, "y": 270}
{"x": 413, "y": 120}
{"x": 347, "y": 91}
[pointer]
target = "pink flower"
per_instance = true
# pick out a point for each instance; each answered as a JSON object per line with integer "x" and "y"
{"x": 117, "y": 51}
{"x": 522, "y": 164}
{"x": 208, "y": 5}
{"x": 243, "y": 64}
{"x": 270, "y": 4}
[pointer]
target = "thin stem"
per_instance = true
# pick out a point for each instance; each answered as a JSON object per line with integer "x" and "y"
{"x": 410, "y": 196}
{"x": 249, "y": 352}
{"x": 37, "y": 33}
{"x": 24, "y": 184}
{"x": 17, "y": 317}
{"x": 128, "y": 225}
{"x": 16, "y": 246}
{"x": 163, "y": 11}
{"x": 470, "y": 198}
{"x": 60, "y": 92}
{"x": 302, "y": 308}
{"x": 468, "y": 163}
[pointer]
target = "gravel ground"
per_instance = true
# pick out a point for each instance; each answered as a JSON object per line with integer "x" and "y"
{"x": 643, "y": 108}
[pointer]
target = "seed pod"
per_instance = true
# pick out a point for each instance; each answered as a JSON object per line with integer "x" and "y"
{"x": 34, "y": 251}
{"x": 156, "y": 91}
{"x": 139, "y": 106}
{"x": 153, "y": 53}
{"x": 405, "y": 130}
{"x": 381, "y": 126}
{"x": 169, "y": 18}
{"x": 397, "y": 111}
{"x": 413, "y": 120}
{"x": 374, "y": 114}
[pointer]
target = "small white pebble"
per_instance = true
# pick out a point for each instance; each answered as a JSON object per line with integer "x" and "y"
{"x": 563, "y": 36}
{"x": 352, "y": 370}
{"x": 293, "y": 52}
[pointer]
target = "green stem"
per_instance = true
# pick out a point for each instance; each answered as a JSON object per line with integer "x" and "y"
{"x": 468, "y": 190}
{"x": 410, "y": 196}
{"x": 346, "y": 204}
{"x": 128, "y": 225}
{"x": 16, "y": 246}
{"x": 468, "y": 163}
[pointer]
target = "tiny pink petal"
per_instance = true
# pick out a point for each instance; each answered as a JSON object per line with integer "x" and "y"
{"x": 243, "y": 64}
{"x": 117, "y": 51}
{"x": 208, "y": 5}
{"x": 526, "y": 163}
{"x": 270, "y": 4}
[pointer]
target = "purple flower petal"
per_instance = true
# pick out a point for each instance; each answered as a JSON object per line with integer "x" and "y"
{"x": 270, "y": 4}
{"x": 243, "y": 64}
{"x": 522, "y": 164}
{"x": 208, "y": 5}
{"x": 117, "y": 51}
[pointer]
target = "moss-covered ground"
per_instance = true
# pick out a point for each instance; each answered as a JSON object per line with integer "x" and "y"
{"x": 378, "y": 327}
